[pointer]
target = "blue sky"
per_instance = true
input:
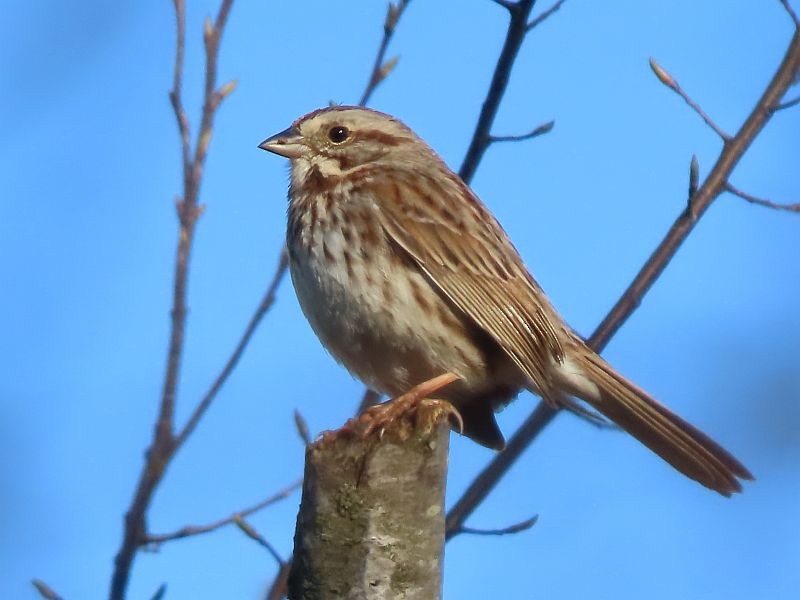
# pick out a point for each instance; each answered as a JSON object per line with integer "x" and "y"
{"x": 90, "y": 169}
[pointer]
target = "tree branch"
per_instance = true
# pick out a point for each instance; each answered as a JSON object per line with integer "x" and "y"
{"x": 156, "y": 539}
{"x": 45, "y": 591}
{"x": 788, "y": 104}
{"x": 162, "y": 447}
{"x": 712, "y": 187}
{"x": 510, "y": 530}
{"x": 536, "y": 132}
{"x": 543, "y": 17}
{"x": 381, "y": 69}
{"x": 792, "y": 14}
{"x": 515, "y": 35}
{"x": 251, "y": 532}
{"x": 761, "y": 201}
{"x": 670, "y": 82}
{"x": 509, "y": 6}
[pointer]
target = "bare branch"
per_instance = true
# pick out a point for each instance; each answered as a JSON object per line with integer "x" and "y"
{"x": 381, "y": 69}
{"x": 480, "y": 487}
{"x": 540, "y": 130}
{"x": 542, "y": 17}
{"x": 160, "y": 592}
{"x": 515, "y": 35}
{"x": 511, "y": 529}
{"x": 712, "y": 187}
{"x": 250, "y": 532}
{"x": 45, "y": 591}
{"x": 791, "y": 12}
{"x": 761, "y": 201}
{"x": 164, "y": 444}
{"x": 788, "y": 104}
{"x": 509, "y": 6}
{"x": 177, "y": 84}
{"x": 156, "y": 539}
{"x": 277, "y": 591}
{"x": 669, "y": 81}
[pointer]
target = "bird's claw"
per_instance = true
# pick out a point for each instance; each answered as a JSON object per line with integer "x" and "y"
{"x": 381, "y": 416}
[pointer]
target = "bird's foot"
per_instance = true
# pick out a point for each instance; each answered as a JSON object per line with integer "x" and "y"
{"x": 381, "y": 416}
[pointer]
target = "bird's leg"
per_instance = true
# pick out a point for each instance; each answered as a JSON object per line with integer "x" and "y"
{"x": 380, "y": 416}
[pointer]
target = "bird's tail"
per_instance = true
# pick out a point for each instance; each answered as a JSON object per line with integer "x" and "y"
{"x": 682, "y": 445}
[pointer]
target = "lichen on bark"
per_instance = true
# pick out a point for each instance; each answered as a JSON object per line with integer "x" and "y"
{"x": 371, "y": 520}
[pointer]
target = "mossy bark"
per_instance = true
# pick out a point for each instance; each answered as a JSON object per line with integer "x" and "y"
{"x": 371, "y": 521}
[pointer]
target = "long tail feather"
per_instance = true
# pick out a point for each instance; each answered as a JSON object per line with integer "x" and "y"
{"x": 679, "y": 443}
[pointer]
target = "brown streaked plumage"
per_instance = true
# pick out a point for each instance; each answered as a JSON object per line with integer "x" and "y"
{"x": 404, "y": 275}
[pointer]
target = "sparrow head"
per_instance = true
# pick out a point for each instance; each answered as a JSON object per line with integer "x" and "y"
{"x": 340, "y": 138}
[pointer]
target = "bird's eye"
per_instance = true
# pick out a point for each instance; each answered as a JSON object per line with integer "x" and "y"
{"x": 338, "y": 134}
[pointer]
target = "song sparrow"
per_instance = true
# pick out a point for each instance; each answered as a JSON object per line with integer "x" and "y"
{"x": 404, "y": 275}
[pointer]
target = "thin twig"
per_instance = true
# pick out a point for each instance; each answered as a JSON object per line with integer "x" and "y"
{"x": 163, "y": 446}
{"x": 45, "y": 591}
{"x": 761, "y": 201}
{"x": 485, "y": 481}
{"x": 277, "y": 591}
{"x": 791, "y": 12}
{"x": 511, "y": 529}
{"x": 540, "y": 130}
{"x": 788, "y": 104}
{"x": 250, "y": 532}
{"x": 481, "y": 139}
{"x": 712, "y": 187}
{"x": 509, "y": 6}
{"x": 177, "y": 84}
{"x": 160, "y": 592}
{"x": 669, "y": 81}
{"x": 155, "y": 539}
{"x": 263, "y": 308}
{"x": 381, "y": 69}
{"x": 542, "y": 17}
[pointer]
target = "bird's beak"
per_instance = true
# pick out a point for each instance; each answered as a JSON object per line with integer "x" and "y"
{"x": 288, "y": 143}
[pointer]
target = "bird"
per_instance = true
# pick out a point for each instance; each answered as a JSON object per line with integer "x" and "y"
{"x": 405, "y": 275}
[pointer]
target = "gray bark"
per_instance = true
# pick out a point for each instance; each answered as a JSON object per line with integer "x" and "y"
{"x": 371, "y": 521}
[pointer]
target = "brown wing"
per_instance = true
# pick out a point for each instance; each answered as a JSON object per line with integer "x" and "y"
{"x": 463, "y": 250}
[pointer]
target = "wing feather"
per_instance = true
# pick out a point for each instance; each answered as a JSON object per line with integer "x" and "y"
{"x": 473, "y": 263}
